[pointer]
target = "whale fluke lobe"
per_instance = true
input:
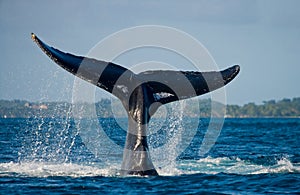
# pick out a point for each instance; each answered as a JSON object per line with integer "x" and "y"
{"x": 138, "y": 93}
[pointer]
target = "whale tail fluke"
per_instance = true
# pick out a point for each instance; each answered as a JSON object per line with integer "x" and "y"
{"x": 166, "y": 86}
{"x": 138, "y": 94}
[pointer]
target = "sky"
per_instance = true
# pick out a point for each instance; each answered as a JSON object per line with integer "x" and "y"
{"x": 262, "y": 36}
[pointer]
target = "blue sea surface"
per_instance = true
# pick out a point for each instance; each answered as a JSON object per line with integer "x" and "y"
{"x": 250, "y": 156}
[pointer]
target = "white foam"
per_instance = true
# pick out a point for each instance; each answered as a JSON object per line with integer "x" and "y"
{"x": 206, "y": 165}
{"x": 211, "y": 165}
{"x": 283, "y": 166}
{"x": 38, "y": 169}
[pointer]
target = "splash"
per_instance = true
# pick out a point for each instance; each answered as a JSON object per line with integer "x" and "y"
{"x": 165, "y": 149}
{"x": 50, "y": 139}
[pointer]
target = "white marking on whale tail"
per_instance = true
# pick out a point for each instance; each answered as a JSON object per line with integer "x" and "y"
{"x": 158, "y": 96}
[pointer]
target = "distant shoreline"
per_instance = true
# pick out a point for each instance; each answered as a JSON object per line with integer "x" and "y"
{"x": 194, "y": 108}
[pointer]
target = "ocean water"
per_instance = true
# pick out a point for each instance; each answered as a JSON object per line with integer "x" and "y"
{"x": 250, "y": 156}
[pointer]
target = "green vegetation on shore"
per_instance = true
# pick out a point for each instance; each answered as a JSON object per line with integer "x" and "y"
{"x": 282, "y": 108}
{"x": 193, "y": 108}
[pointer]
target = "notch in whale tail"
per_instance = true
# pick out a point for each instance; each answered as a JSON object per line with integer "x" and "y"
{"x": 138, "y": 93}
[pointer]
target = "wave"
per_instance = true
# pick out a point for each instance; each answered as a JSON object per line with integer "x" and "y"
{"x": 208, "y": 165}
